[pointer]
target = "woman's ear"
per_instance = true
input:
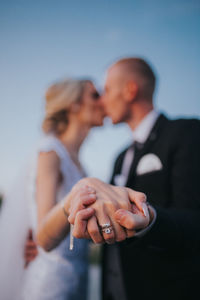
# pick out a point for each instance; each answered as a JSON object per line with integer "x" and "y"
{"x": 131, "y": 90}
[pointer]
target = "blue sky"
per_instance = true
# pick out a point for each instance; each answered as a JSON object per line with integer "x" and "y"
{"x": 42, "y": 41}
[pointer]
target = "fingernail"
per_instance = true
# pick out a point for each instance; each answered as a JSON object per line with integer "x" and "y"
{"x": 145, "y": 210}
{"x": 90, "y": 189}
{"x": 92, "y": 196}
{"x": 91, "y": 192}
{"x": 89, "y": 209}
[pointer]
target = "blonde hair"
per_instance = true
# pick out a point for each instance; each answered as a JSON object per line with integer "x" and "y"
{"x": 59, "y": 98}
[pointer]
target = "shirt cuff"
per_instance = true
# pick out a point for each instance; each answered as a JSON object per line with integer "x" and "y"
{"x": 142, "y": 232}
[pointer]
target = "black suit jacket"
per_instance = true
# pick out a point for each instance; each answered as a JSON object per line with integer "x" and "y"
{"x": 165, "y": 263}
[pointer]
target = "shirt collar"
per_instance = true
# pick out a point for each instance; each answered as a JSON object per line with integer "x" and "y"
{"x": 142, "y": 131}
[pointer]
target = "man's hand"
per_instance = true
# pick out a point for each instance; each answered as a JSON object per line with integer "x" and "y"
{"x": 133, "y": 220}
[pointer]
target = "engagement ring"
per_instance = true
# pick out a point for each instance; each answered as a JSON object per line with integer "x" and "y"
{"x": 106, "y": 228}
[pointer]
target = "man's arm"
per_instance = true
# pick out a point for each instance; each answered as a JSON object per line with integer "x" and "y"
{"x": 177, "y": 227}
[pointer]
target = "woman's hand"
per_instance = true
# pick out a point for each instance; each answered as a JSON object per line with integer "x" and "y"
{"x": 30, "y": 250}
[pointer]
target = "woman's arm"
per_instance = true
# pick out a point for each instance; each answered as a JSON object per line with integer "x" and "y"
{"x": 53, "y": 225}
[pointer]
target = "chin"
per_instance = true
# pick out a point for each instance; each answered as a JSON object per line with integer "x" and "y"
{"x": 116, "y": 121}
{"x": 113, "y": 119}
{"x": 97, "y": 123}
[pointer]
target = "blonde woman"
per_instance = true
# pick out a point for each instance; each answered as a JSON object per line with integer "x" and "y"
{"x": 72, "y": 109}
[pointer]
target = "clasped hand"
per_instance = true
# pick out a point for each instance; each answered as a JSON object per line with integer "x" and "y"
{"x": 95, "y": 206}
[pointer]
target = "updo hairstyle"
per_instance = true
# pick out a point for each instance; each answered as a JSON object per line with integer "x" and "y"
{"x": 59, "y": 98}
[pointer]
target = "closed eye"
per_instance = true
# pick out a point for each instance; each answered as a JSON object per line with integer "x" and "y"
{"x": 95, "y": 96}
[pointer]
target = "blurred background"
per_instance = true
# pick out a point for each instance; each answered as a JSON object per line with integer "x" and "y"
{"x": 42, "y": 41}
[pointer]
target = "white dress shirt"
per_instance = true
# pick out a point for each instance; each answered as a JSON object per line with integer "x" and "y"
{"x": 140, "y": 134}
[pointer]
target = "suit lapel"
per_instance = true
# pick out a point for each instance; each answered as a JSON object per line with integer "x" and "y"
{"x": 155, "y": 132}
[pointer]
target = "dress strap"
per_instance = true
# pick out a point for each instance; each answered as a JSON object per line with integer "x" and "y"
{"x": 51, "y": 143}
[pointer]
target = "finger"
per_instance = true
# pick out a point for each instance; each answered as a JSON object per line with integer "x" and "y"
{"x": 26, "y": 264}
{"x": 134, "y": 209}
{"x": 88, "y": 199}
{"x": 93, "y": 231}
{"x": 108, "y": 235}
{"x": 130, "y": 221}
{"x": 130, "y": 233}
{"x": 31, "y": 244}
{"x": 140, "y": 201}
{"x": 30, "y": 257}
{"x": 80, "y": 224}
{"x": 28, "y": 261}
{"x": 86, "y": 190}
{"x": 30, "y": 234}
{"x": 31, "y": 251}
{"x": 88, "y": 195}
{"x": 120, "y": 232}
{"x": 83, "y": 201}
{"x": 89, "y": 188}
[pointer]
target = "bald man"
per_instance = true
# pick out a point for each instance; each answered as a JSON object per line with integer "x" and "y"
{"x": 163, "y": 162}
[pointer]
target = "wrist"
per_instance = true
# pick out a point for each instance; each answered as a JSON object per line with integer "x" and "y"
{"x": 66, "y": 205}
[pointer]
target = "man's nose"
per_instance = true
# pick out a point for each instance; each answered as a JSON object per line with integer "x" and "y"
{"x": 102, "y": 100}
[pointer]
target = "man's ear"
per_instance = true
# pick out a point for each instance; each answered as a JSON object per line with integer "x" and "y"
{"x": 131, "y": 90}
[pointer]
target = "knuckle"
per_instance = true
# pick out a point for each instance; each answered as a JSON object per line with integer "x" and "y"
{"x": 94, "y": 232}
{"x": 142, "y": 196}
{"x": 98, "y": 206}
{"x": 77, "y": 234}
{"x": 129, "y": 224}
{"x": 82, "y": 192}
{"x": 109, "y": 204}
{"x": 123, "y": 204}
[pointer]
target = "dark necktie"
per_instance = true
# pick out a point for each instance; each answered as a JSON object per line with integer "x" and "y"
{"x": 130, "y": 155}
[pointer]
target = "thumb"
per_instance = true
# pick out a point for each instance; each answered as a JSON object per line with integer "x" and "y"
{"x": 124, "y": 218}
{"x": 80, "y": 225}
{"x": 139, "y": 199}
{"x": 129, "y": 220}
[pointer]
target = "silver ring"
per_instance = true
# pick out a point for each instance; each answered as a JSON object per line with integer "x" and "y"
{"x": 107, "y": 230}
{"x": 106, "y": 225}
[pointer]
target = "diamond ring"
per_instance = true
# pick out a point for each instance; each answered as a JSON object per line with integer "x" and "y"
{"x": 106, "y": 228}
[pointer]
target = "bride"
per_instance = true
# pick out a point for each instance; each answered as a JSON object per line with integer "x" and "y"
{"x": 72, "y": 109}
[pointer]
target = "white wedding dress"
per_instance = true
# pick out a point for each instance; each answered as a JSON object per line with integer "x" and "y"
{"x": 60, "y": 274}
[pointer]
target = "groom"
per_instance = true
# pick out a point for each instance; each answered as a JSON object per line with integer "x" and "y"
{"x": 164, "y": 163}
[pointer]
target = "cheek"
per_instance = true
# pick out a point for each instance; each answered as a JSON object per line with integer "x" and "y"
{"x": 114, "y": 104}
{"x": 89, "y": 113}
{"x": 119, "y": 112}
